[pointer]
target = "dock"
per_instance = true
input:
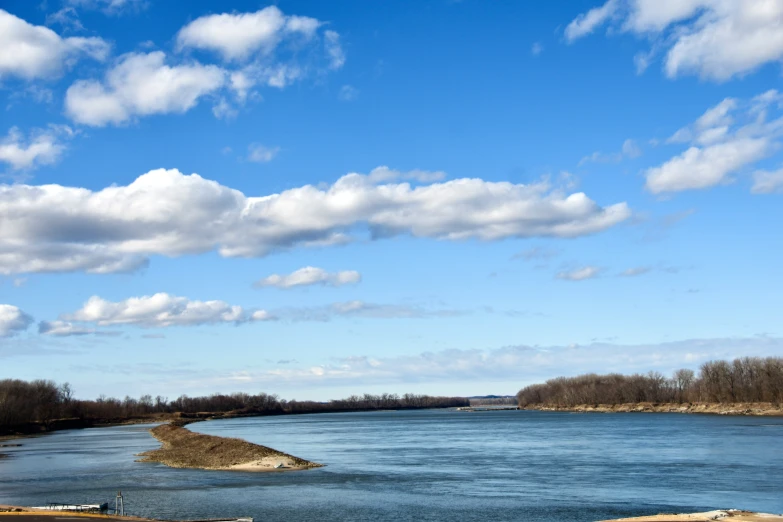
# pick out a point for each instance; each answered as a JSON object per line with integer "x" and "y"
{"x": 44, "y": 514}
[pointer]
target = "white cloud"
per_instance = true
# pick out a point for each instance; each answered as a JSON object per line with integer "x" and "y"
{"x": 536, "y": 363}
{"x": 66, "y": 17}
{"x": 261, "y": 153}
{"x": 724, "y": 140}
{"x": 334, "y": 50}
{"x": 311, "y": 275}
{"x": 537, "y": 49}
{"x": 111, "y": 7}
{"x": 636, "y": 271}
{"x": 714, "y": 39}
{"x": 237, "y": 36}
{"x": 267, "y": 46}
{"x": 138, "y": 85}
{"x": 586, "y": 23}
{"x": 45, "y": 256}
{"x": 164, "y": 212}
{"x": 161, "y": 310}
{"x": 63, "y": 329}
{"x": 224, "y": 110}
{"x": 766, "y": 182}
{"x": 32, "y": 51}
{"x": 348, "y": 93}
{"x": 630, "y": 150}
{"x": 13, "y": 320}
{"x": 580, "y": 274}
{"x": 698, "y": 168}
{"x": 363, "y": 310}
{"x": 32, "y": 91}
{"x": 42, "y": 147}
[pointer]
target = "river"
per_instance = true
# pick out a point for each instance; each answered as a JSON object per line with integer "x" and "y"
{"x": 430, "y": 465}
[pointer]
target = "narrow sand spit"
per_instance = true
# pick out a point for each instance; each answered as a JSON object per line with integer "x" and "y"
{"x": 730, "y": 515}
{"x": 745, "y": 408}
{"x": 184, "y": 449}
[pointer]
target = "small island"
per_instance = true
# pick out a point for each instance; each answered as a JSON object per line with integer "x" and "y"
{"x": 183, "y": 448}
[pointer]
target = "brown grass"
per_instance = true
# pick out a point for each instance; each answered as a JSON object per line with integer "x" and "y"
{"x": 184, "y": 449}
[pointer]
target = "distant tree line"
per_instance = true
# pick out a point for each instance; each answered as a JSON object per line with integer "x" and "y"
{"x": 492, "y": 401}
{"x": 44, "y": 402}
{"x": 749, "y": 379}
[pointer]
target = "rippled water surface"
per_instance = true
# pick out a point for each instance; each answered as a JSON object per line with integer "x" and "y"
{"x": 426, "y": 465}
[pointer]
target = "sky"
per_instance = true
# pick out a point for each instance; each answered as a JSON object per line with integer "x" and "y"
{"x": 316, "y": 199}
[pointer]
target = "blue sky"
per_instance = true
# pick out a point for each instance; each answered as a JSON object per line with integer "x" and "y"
{"x": 317, "y": 198}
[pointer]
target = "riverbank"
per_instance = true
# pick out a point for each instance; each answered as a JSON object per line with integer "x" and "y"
{"x": 731, "y": 514}
{"x": 750, "y": 408}
{"x": 182, "y": 448}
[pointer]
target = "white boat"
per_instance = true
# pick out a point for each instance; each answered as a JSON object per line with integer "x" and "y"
{"x": 73, "y": 507}
{"x": 279, "y": 465}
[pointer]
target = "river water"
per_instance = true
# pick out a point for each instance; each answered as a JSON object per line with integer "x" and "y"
{"x": 433, "y": 465}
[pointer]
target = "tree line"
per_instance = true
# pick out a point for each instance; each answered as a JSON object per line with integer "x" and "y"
{"x": 42, "y": 402}
{"x": 748, "y": 379}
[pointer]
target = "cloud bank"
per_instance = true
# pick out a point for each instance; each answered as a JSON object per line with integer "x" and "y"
{"x": 521, "y": 364}
{"x": 53, "y": 228}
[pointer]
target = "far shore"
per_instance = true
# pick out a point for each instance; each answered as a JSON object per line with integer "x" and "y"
{"x": 748, "y": 408}
{"x": 183, "y": 448}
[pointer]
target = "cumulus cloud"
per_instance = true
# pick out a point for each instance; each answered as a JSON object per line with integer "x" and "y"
{"x": 725, "y": 139}
{"x": 714, "y": 39}
{"x": 588, "y": 22}
{"x": 164, "y": 212}
{"x": 41, "y": 147}
{"x": 311, "y": 275}
{"x": 766, "y": 182}
{"x": 266, "y": 47}
{"x": 630, "y": 150}
{"x": 261, "y": 153}
{"x": 63, "y": 329}
{"x": 580, "y": 274}
{"x": 13, "y": 320}
{"x": 161, "y": 310}
{"x": 235, "y": 36}
{"x": 33, "y": 51}
{"x": 141, "y": 84}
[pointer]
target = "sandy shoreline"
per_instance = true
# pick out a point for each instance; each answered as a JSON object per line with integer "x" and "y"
{"x": 750, "y": 408}
{"x": 732, "y": 515}
{"x": 182, "y": 448}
